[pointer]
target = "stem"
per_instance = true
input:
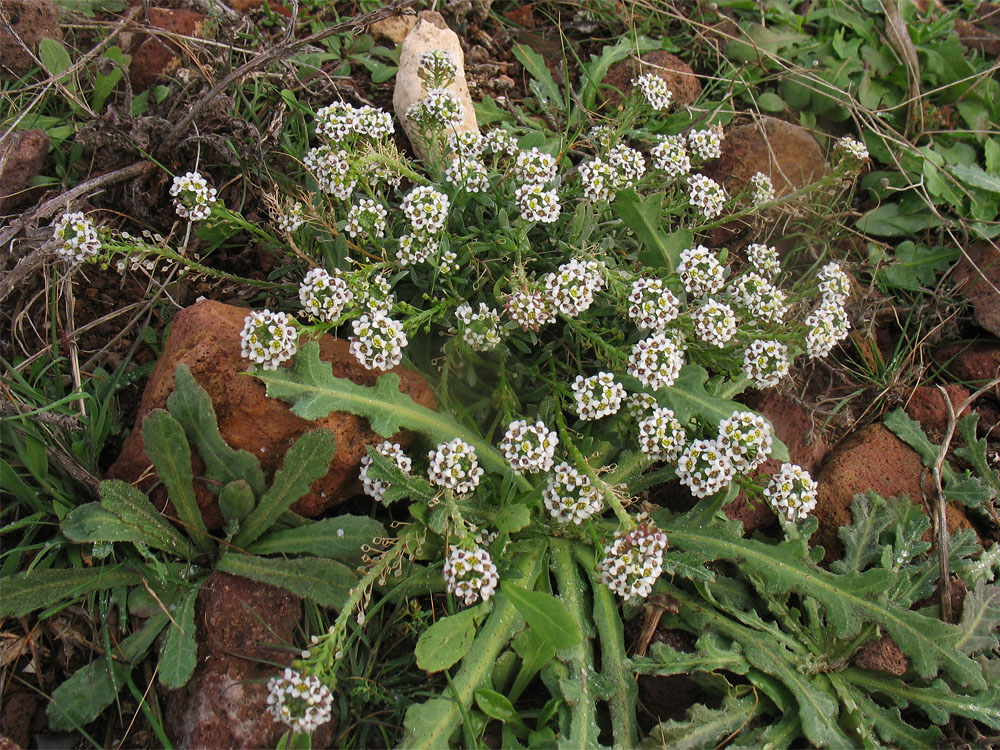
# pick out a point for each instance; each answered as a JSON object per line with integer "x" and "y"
{"x": 162, "y": 252}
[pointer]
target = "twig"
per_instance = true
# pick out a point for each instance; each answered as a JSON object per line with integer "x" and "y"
{"x": 942, "y": 521}
{"x": 272, "y": 55}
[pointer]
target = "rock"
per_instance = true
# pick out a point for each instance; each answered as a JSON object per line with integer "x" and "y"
{"x": 393, "y": 28}
{"x": 16, "y": 717}
{"x": 242, "y": 626}
{"x": 206, "y": 337}
{"x": 680, "y": 78}
{"x": 154, "y": 55}
{"x": 873, "y": 459}
{"x": 32, "y": 21}
{"x": 977, "y": 278}
{"x": 522, "y": 15}
{"x": 796, "y": 430}
{"x": 974, "y": 364}
{"x": 882, "y": 655}
{"x": 22, "y": 157}
{"x": 927, "y": 406}
{"x": 431, "y": 32}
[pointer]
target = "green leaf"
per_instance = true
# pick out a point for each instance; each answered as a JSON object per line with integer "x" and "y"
{"x": 771, "y": 102}
{"x": 341, "y": 538}
{"x": 702, "y": 727}
{"x": 399, "y": 485}
{"x": 915, "y": 266}
{"x": 447, "y": 641}
{"x": 81, "y": 699}
{"x": 910, "y": 432}
{"x": 889, "y": 220}
{"x": 980, "y": 616}
{"x": 712, "y": 653}
{"x": 26, "y": 592}
{"x": 104, "y": 84}
{"x": 314, "y": 392}
{"x": 546, "y": 614}
{"x": 512, "y": 518}
{"x": 496, "y": 706}
{"x": 305, "y": 462}
{"x": 643, "y": 216}
{"x": 326, "y": 582}
{"x": 974, "y": 451}
{"x": 547, "y": 89}
{"x": 54, "y": 56}
{"x": 167, "y": 447}
{"x": 862, "y": 548}
{"x": 147, "y": 523}
{"x": 975, "y": 176}
{"x": 190, "y": 405}
{"x": 179, "y": 652}
{"x": 236, "y": 500}
{"x": 891, "y": 727}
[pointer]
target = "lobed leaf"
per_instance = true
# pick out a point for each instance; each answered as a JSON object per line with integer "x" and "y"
{"x": 546, "y": 614}
{"x": 980, "y": 619}
{"x": 702, "y": 727}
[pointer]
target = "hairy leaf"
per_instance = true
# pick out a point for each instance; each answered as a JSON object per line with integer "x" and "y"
{"x": 712, "y": 653}
{"x": 546, "y": 614}
{"x": 341, "y": 538}
{"x": 190, "y": 405}
{"x": 702, "y": 727}
{"x": 305, "y": 462}
{"x": 974, "y": 451}
{"x": 980, "y": 619}
{"x": 326, "y": 582}
{"x": 445, "y": 642}
{"x": 861, "y": 539}
{"x": 399, "y": 485}
{"x": 26, "y": 592}
{"x": 643, "y": 216}
{"x": 179, "y": 652}
{"x": 892, "y": 729}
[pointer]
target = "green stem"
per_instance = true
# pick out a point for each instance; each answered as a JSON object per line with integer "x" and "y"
{"x": 162, "y": 252}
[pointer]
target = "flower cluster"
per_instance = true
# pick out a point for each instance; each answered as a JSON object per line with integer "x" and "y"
{"x": 714, "y": 323}
{"x": 705, "y": 468}
{"x": 339, "y": 121}
{"x": 438, "y": 109}
{"x": 633, "y": 561}
{"x": 77, "y": 236}
{"x": 763, "y": 189}
{"x": 536, "y": 203}
{"x": 764, "y": 259}
{"x": 598, "y": 178}
{"x": 378, "y": 341}
{"x": 661, "y": 436}
{"x": 529, "y": 448}
{"x": 436, "y": 67}
{"x": 700, "y": 271}
{"x": 651, "y": 305}
{"x": 269, "y": 338}
{"x": 324, "y": 296}
{"x": 498, "y": 141}
{"x": 468, "y": 173}
{"x": 427, "y": 209}
{"x": 468, "y": 144}
{"x": 535, "y": 167}
{"x": 759, "y": 297}
{"x": 333, "y": 171}
{"x": 598, "y": 396}
{"x": 627, "y": 167}
{"x": 792, "y": 492}
{"x": 834, "y": 284}
{"x": 480, "y": 328}
{"x": 655, "y": 90}
{"x": 827, "y": 326}
{"x": 569, "y": 496}
{"x": 529, "y": 308}
{"x": 707, "y": 143}
{"x": 455, "y": 466}
{"x": 766, "y": 363}
{"x": 415, "y": 248}
{"x": 747, "y": 439}
{"x": 300, "y": 701}
{"x": 670, "y": 155}
{"x": 852, "y": 149}
{"x": 656, "y": 361}
{"x": 366, "y": 218}
{"x": 292, "y": 217}
{"x": 639, "y": 405}
{"x": 375, "y": 488}
{"x": 470, "y": 574}
{"x": 571, "y": 288}
{"x": 706, "y": 195}
{"x": 193, "y": 196}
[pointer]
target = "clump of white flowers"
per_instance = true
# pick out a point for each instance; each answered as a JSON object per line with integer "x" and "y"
{"x": 436, "y": 67}
{"x": 827, "y": 326}
{"x": 714, "y": 323}
{"x": 193, "y": 196}
{"x": 759, "y": 297}
{"x": 762, "y": 187}
{"x": 427, "y": 209}
{"x": 291, "y": 217}
{"x": 438, "y": 109}
{"x": 375, "y": 488}
{"x": 499, "y": 142}
{"x": 455, "y": 466}
{"x": 530, "y": 308}
{"x": 652, "y": 305}
{"x": 700, "y": 271}
{"x": 598, "y": 396}
{"x": 792, "y": 492}
{"x": 480, "y": 328}
{"x": 706, "y": 195}
{"x": 469, "y": 174}
{"x": 834, "y": 284}
{"x": 470, "y": 574}
{"x": 378, "y": 341}
{"x": 670, "y": 155}
{"x": 415, "y": 248}
{"x": 655, "y": 90}
{"x": 324, "y": 296}
{"x": 850, "y": 148}
{"x": 661, "y": 436}
{"x": 764, "y": 259}
{"x": 366, "y": 218}
{"x": 598, "y": 178}
{"x": 536, "y": 203}
{"x": 706, "y": 143}
{"x": 766, "y": 362}
{"x": 468, "y": 144}
{"x": 746, "y": 437}
{"x": 535, "y": 167}
{"x": 627, "y": 166}
{"x": 269, "y": 338}
{"x": 640, "y": 405}
{"x": 705, "y": 468}
{"x": 571, "y": 288}
{"x": 529, "y": 448}
{"x": 656, "y": 361}
{"x": 569, "y": 496}
{"x": 300, "y": 701}
{"x": 333, "y": 171}
{"x": 633, "y": 561}
{"x": 77, "y": 236}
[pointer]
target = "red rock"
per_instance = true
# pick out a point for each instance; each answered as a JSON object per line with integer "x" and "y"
{"x": 680, "y": 78}
{"x": 206, "y": 337}
{"x": 155, "y": 55}
{"x": 870, "y": 459}
{"x": 22, "y": 157}
{"x": 977, "y": 278}
{"x": 243, "y": 628}
{"x": 796, "y": 430}
{"x": 926, "y": 405}
{"x": 31, "y": 20}
{"x": 882, "y": 655}
{"x": 973, "y": 364}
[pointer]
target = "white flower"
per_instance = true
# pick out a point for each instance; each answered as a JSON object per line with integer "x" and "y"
{"x": 467, "y": 144}
{"x": 759, "y": 297}
{"x": 530, "y": 309}
{"x": 700, "y": 271}
{"x": 324, "y": 296}
{"x": 707, "y": 143}
{"x": 78, "y": 237}
{"x": 415, "y": 248}
{"x": 530, "y": 448}
{"x": 598, "y": 179}
{"x": 671, "y": 156}
{"x": 480, "y": 329}
{"x": 656, "y": 360}
{"x": 747, "y": 438}
{"x": 706, "y": 195}
{"x": 792, "y": 492}
{"x": 292, "y": 217}
{"x": 835, "y": 285}
{"x": 651, "y": 305}
{"x": 827, "y": 326}
{"x": 300, "y": 701}
{"x": 852, "y": 149}
{"x": 336, "y": 122}
{"x": 639, "y": 405}
{"x": 269, "y": 338}
{"x": 427, "y": 209}
{"x": 536, "y": 203}
{"x": 468, "y": 173}
{"x": 333, "y": 171}
{"x": 193, "y": 196}
{"x": 572, "y": 287}
{"x": 470, "y": 574}
{"x": 763, "y": 189}
{"x": 569, "y": 496}
{"x": 714, "y": 323}
{"x": 440, "y": 108}
{"x": 373, "y": 122}
{"x": 437, "y": 67}
{"x": 627, "y": 166}
{"x": 633, "y": 561}
{"x": 378, "y": 341}
{"x": 655, "y": 90}
{"x": 375, "y": 488}
{"x": 455, "y": 466}
{"x": 447, "y": 262}
{"x": 365, "y": 218}
{"x": 765, "y": 260}
{"x": 499, "y": 142}
{"x": 535, "y": 167}
{"x": 598, "y": 396}
{"x": 661, "y": 436}
{"x": 766, "y": 363}
{"x": 705, "y": 468}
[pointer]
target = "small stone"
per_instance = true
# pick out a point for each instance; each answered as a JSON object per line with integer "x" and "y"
{"x": 927, "y": 406}
{"x": 977, "y": 279}
{"x": 155, "y": 56}
{"x": 393, "y": 28}
{"x": 31, "y": 20}
{"x": 974, "y": 364}
{"x": 22, "y": 157}
{"x": 882, "y": 655}
{"x": 680, "y": 78}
